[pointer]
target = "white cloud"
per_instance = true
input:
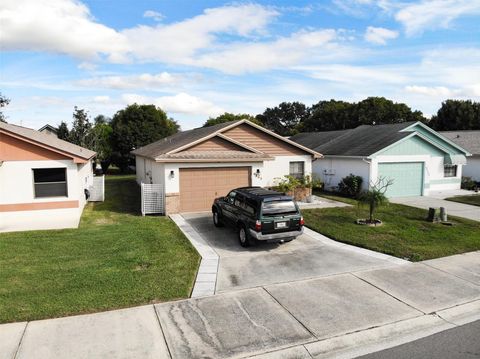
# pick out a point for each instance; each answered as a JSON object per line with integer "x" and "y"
{"x": 146, "y": 80}
{"x": 101, "y": 99}
{"x": 155, "y": 15}
{"x": 179, "y": 103}
{"x": 379, "y": 35}
{"x": 432, "y": 14}
{"x": 62, "y": 26}
{"x": 89, "y": 66}
{"x": 435, "y": 91}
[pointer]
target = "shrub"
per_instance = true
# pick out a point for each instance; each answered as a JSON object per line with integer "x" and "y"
{"x": 350, "y": 186}
{"x": 468, "y": 183}
{"x": 286, "y": 184}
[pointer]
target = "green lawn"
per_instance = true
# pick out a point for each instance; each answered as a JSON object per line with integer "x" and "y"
{"x": 474, "y": 199}
{"x": 404, "y": 234}
{"x": 115, "y": 259}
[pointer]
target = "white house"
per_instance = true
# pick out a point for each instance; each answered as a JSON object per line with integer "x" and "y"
{"x": 42, "y": 180}
{"x": 470, "y": 140}
{"x": 199, "y": 165}
{"x": 417, "y": 159}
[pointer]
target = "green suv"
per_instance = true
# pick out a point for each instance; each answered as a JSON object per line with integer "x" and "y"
{"x": 259, "y": 214}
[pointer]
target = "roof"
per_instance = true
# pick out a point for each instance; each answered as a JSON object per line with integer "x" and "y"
{"x": 48, "y": 127}
{"x": 470, "y": 140}
{"x": 363, "y": 140}
{"x": 48, "y": 141}
{"x": 215, "y": 155}
{"x": 183, "y": 140}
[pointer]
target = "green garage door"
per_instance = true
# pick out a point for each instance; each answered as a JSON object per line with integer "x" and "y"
{"x": 407, "y": 178}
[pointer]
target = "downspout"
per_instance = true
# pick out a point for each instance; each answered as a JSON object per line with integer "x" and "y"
{"x": 369, "y": 171}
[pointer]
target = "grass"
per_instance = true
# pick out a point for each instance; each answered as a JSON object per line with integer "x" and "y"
{"x": 115, "y": 259}
{"x": 404, "y": 234}
{"x": 472, "y": 199}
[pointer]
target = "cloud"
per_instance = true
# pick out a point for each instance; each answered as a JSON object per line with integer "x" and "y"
{"x": 379, "y": 35}
{"x": 101, "y": 99}
{"x": 445, "y": 92}
{"x": 89, "y": 66}
{"x": 61, "y": 26}
{"x": 146, "y": 80}
{"x": 432, "y": 14}
{"x": 155, "y": 15}
{"x": 179, "y": 103}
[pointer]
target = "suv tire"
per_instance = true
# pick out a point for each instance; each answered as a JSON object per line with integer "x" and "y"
{"x": 243, "y": 236}
{"x": 217, "y": 218}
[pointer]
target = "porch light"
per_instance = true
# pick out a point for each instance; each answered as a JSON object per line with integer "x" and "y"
{"x": 172, "y": 174}
{"x": 257, "y": 172}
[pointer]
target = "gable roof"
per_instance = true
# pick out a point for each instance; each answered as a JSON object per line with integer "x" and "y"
{"x": 469, "y": 140}
{"x": 47, "y": 141}
{"x": 363, "y": 140}
{"x": 48, "y": 127}
{"x": 166, "y": 147}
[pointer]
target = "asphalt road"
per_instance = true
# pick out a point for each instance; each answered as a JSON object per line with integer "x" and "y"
{"x": 458, "y": 343}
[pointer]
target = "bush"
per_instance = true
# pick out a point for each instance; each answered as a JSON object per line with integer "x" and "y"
{"x": 350, "y": 186}
{"x": 468, "y": 183}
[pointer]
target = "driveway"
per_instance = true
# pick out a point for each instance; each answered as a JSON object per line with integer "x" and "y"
{"x": 453, "y": 208}
{"x": 308, "y": 256}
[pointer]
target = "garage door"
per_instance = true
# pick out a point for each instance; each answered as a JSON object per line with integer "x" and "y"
{"x": 200, "y": 186}
{"x": 407, "y": 178}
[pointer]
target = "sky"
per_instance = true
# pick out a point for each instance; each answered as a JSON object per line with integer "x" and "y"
{"x": 198, "y": 59}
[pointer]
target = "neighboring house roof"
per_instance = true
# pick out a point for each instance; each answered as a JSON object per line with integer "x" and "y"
{"x": 47, "y": 141}
{"x": 364, "y": 140}
{"x": 469, "y": 140}
{"x": 48, "y": 127}
{"x": 181, "y": 141}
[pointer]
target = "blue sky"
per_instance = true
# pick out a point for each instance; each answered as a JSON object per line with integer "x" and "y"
{"x": 196, "y": 59}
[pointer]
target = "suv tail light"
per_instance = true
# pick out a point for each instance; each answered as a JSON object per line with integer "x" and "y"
{"x": 302, "y": 221}
{"x": 258, "y": 225}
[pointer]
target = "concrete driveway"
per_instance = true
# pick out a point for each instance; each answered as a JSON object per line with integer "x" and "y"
{"x": 308, "y": 256}
{"x": 453, "y": 208}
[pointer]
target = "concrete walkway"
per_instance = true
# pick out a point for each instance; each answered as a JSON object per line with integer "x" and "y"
{"x": 337, "y": 316}
{"x": 453, "y": 208}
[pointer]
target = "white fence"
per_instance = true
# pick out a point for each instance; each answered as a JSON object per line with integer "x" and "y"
{"x": 97, "y": 189}
{"x": 153, "y": 199}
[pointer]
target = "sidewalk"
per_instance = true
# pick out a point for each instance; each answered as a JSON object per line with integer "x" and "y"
{"x": 337, "y": 316}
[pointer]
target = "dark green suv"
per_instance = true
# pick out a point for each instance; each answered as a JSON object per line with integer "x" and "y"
{"x": 259, "y": 214}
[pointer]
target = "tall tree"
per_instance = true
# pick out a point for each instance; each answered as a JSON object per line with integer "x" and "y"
{"x": 284, "y": 118}
{"x": 328, "y": 116}
{"x": 101, "y": 134}
{"x": 457, "y": 115}
{"x": 227, "y": 117}
{"x": 136, "y": 126}
{"x": 3, "y": 102}
{"x": 81, "y": 128}
{"x": 63, "y": 132}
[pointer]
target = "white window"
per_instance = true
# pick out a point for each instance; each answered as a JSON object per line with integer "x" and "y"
{"x": 450, "y": 171}
{"x": 50, "y": 182}
{"x": 297, "y": 169}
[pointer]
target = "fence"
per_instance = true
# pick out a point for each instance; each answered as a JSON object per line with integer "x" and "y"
{"x": 153, "y": 199}
{"x": 97, "y": 189}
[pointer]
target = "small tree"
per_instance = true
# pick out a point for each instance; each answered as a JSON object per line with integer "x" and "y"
{"x": 375, "y": 196}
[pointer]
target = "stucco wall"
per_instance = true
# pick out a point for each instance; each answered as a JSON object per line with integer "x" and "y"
{"x": 472, "y": 168}
{"x": 331, "y": 170}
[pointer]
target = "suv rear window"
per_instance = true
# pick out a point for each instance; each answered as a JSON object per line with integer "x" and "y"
{"x": 278, "y": 207}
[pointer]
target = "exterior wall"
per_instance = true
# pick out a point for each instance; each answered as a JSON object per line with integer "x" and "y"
{"x": 216, "y": 144}
{"x": 331, "y": 170}
{"x": 20, "y": 210}
{"x": 472, "y": 168}
{"x": 274, "y": 171}
{"x": 149, "y": 171}
{"x": 13, "y": 149}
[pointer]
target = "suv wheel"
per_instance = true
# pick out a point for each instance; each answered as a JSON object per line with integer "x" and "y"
{"x": 243, "y": 236}
{"x": 217, "y": 220}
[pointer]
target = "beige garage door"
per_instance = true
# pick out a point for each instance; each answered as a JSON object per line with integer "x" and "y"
{"x": 200, "y": 186}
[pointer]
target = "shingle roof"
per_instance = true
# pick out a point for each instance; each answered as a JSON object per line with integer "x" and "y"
{"x": 363, "y": 140}
{"x": 48, "y": 140}
{"x": 178, "y": 140}
{"x": 216, "y": 155}
{"x": 470, "y": 140}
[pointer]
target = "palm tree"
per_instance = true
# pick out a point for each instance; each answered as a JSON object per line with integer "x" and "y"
{"x": 375, "y": 196}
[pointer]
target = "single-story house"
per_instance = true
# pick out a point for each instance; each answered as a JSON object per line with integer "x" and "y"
{"x": 42, "y": 180}
{"x": 470, "y": 140}
{"x": 417, "y": 159}
{"x": 49, "y": 130}
{"x": 199, "y": 165}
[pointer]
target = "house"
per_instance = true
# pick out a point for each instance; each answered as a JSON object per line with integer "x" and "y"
{"x": 417, "y": 159}
{"x": 199, "y": 165}
{"x": 470, "y": 140}
{"x": 49, "y": 130}
{"x": 42, "y": 180}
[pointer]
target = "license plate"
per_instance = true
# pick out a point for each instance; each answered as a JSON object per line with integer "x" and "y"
{"x": 281, "y": 225}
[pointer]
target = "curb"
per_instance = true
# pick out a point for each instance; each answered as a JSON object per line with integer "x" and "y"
{"x": 206, "y": 279}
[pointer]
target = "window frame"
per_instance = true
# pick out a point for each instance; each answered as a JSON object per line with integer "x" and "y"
{"x": 448, "y": 167}
{"x": 297, "y": 175}
{"x": 35, "y": 183}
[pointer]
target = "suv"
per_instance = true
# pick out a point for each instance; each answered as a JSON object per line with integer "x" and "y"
{"x": 259, "y": 214}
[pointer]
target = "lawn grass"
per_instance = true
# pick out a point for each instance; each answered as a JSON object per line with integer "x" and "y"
{"x": 115, "y": 259}
{"x": 473, "y": 199}
{"x": 404, "y": 234}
